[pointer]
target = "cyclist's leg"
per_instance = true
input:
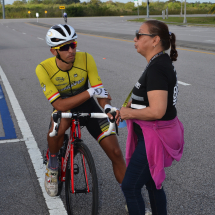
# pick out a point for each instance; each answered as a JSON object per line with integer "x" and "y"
{"x": 111, "y": 147}
{"x": 110, "y": 144}
{"x": 54, "y": 143}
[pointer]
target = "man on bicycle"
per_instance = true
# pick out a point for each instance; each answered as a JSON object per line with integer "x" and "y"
{"x": 64, "y": 80}
{"x": 65, "y": 16}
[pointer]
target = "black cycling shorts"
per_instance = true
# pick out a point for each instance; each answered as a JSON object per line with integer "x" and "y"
{"x": 96, "y": 127}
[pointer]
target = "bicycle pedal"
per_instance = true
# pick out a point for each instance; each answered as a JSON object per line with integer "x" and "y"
{"x": 76, "y": 169}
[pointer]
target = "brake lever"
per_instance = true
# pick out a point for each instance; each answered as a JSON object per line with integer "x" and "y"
{"x": 114, "y": 120}
{"x": 56, "y": 119}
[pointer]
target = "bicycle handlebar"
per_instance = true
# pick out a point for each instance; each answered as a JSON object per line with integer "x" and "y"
{"x": 57, "y": 116}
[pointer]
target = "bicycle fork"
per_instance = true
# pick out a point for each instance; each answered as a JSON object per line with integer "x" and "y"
{"x": 74, "y": 135}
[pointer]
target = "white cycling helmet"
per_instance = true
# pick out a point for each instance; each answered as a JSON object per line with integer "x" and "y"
{"x": 59, "y": 34}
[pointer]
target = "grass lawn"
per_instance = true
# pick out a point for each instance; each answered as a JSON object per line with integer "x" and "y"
{"x": 179, "y": 20}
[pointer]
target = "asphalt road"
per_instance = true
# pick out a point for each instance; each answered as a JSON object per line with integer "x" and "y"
{"x": 189, "y": 184}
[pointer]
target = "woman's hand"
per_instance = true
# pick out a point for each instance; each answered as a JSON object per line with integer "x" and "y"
{"x": 125, "y": 113}
{"x": 129, "y": 104}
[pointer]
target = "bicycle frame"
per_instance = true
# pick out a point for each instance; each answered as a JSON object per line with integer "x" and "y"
{"x": 75, "y": 134}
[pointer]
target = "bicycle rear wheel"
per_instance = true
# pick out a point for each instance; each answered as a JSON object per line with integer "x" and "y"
{"x": 82, "y": 202}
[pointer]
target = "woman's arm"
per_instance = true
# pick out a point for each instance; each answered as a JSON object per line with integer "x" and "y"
{"x": 156, "y": 109}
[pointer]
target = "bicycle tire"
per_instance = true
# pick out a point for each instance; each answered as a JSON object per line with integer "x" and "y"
{"x": 82, "y": 203}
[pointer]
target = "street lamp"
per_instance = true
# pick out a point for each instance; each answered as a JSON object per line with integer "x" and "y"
{"x": 185, "y": 20}
{"x": 147, "y": 8}
{"x": 3, "y": 13}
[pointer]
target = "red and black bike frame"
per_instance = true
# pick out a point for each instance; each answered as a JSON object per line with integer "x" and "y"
{"x": 75, "y": 134}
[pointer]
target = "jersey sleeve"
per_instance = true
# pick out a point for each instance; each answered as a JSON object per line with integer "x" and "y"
{"x": 49, "y": 89}
{"x": 94, "y": 79}
{"x": 156, "y": 79}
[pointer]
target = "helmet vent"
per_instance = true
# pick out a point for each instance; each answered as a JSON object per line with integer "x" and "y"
{"x": 74, "y": 35}
{"x": 57, "y": 28}
{"x": 56, "y": 39}
{"x": 67, "y": 28}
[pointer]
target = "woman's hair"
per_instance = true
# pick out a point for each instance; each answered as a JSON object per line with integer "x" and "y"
{"x": 167, "y": 38}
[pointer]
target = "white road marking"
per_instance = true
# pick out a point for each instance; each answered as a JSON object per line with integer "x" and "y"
{"x": 210, "y": 41}
{"x": 11, "y": 141}
{"x": 13, "y": 29}
{"x": 40, "y": 38}
{"x": 183, "y": 83}
{"x": 24, "y": 33}
{"x": 54, "y": 204}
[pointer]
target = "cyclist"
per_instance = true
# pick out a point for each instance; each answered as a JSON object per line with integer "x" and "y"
{"x": 65, "y": 16}
{"x": 64, "y": 80}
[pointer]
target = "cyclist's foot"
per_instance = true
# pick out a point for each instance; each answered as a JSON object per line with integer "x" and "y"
{"x": 51, "y": 182}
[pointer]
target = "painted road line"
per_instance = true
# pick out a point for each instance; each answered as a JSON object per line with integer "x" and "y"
{"x": 210, "y": 41}
{"x": 130, "y": 41}
{"x": 183, "y": 83}
{"x": 40, "y": 38}
{"x": 23, "y": 33}
{"x": 54, "y": 204}
{"x": 7, "y": 122}
{"x": 11, "y": 141}
{"x": 2, "y": 134}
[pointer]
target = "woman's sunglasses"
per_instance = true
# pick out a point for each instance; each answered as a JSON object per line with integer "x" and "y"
{"x": 139, "y": 34}
{"x": 65, "y": 47}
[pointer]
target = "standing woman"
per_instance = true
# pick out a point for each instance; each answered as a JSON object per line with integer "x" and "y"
{"x": 155, "y": 135}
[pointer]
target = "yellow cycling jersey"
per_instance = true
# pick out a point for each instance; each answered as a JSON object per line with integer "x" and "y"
{"x": 57, "y": 83}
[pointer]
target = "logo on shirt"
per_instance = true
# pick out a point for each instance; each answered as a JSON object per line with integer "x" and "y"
{"x": 43, "y": 86}
{"x": 48, "y": 93}
{"x": 60, "y": 79}
{"x": 137, "y": 85}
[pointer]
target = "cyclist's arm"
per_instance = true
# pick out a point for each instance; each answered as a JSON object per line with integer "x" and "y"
{"x": 53, "y": 96}
{"x": 95, "y": 82}
{"x": 71, "y": 102}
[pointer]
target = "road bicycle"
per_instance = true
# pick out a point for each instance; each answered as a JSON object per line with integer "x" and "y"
{"x": 65, "y": 19}
{"x": 76, "y": 166}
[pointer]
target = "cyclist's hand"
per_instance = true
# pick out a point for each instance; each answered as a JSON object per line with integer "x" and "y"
{"x": 109, "y": 110}
{"x": 98, "y": 92}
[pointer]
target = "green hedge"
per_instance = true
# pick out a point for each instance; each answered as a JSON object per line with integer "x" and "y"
{"x": 100, "y": 9}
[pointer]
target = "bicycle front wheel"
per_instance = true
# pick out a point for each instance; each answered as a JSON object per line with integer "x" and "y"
{"x": 85, "y": 199}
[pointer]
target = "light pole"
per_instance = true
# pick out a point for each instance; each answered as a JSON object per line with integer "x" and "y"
{"x": 147, "y": 8}
{"x": 181, "y": 8}
{"x": 185, "y": 20}
{"x": 3, "y": 11}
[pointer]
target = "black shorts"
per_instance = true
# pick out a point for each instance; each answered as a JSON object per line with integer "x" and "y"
{"x": 96, "y": 127}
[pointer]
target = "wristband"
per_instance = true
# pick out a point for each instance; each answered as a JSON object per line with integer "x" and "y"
{"x": 91, "y": 91}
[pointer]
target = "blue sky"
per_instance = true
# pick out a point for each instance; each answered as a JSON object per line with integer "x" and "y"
{"x": 124, "y": 1}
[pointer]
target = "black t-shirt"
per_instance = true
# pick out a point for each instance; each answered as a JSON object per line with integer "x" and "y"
{"x": 160, "y": 75}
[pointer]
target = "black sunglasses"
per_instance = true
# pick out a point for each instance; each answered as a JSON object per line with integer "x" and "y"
{"x": 65, "y": 47}
{"x": 139, "y": 34}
